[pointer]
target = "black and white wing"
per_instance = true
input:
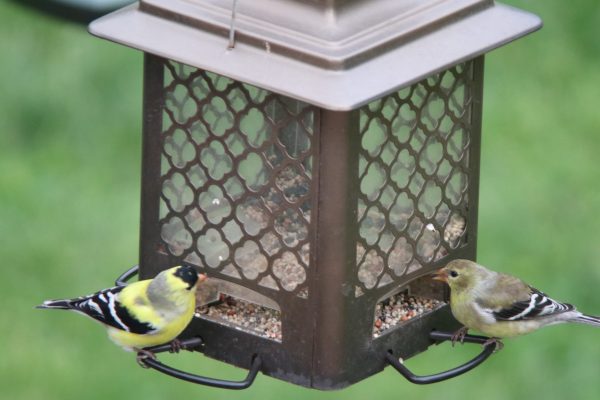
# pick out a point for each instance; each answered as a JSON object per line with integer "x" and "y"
{"x": 104, "y": 307}
{"x": 538, "y": 305}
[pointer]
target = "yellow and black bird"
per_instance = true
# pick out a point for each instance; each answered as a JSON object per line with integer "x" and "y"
{"x": 144, "y": 313}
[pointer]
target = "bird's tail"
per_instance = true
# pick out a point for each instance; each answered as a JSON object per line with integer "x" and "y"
{"x": 56, "y": 304}
{"x": 588, "y": 319}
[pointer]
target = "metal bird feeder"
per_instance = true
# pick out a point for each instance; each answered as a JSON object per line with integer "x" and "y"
{"x": 317, "y": 159}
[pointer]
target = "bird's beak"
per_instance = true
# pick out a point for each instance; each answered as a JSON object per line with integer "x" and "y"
{"x": 202, "y": 277}
{"x": 440, "y": 275}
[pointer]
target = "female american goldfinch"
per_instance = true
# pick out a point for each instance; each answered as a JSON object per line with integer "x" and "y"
{"x": 144, "y": 313}
{"x": 500, "y": 305}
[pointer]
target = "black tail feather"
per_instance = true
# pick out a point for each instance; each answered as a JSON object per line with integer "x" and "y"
{"x": 56, "y": 304}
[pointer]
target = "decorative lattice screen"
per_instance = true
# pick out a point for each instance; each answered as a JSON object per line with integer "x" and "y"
{"x": 414, "y": 173}
{"x": 236, "y": 178}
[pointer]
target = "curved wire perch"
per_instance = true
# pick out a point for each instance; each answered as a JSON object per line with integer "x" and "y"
{"x": 195, "y": 344}
{"x": 488, "y": 349}
{"x": 127, "y": 275}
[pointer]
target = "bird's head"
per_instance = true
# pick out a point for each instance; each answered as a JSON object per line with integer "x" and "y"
{"x": 460, "y": 274}
{"x": 184, "y": 276}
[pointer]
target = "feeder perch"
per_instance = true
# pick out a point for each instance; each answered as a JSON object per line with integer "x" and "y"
{"x": 318, "y": 160}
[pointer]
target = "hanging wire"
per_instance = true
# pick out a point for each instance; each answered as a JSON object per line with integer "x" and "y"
{"x": 231, "y": 44}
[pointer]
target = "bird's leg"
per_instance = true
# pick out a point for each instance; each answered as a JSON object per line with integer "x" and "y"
{"x": 176, "y": 346}
{"x": 143, "y": 354}
{"x": 459, "y": 335}
{"x": 496, "y": 342}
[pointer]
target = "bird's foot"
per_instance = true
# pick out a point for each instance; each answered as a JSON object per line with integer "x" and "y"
{"x": 459, "y": 336}
{"x": 176, "y": 346}
{"x": 496, "y": 342}
{"x": 143, "y": 354}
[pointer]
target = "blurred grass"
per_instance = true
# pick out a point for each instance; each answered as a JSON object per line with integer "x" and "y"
{"x": 70, "y": 112}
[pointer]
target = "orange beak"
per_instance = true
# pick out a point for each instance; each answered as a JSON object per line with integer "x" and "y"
{"x": 440, "y": 275}
{"x": 202, "y": 277}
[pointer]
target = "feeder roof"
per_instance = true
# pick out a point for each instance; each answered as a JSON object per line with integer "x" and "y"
{"x": 337, "y": 54}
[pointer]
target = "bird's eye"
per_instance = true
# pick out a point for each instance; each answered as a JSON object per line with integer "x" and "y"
{"x": 453, "y": 274}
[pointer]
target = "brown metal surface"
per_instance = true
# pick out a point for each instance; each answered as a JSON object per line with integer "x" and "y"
{"x": 329, "y": 34}
{"x": 151, "y": 152}
{"x": 334, "y": 258}
{"x": 338, "y": 55}
{"x": 322, "y": 213}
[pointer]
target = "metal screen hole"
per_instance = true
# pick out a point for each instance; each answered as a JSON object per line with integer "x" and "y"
{"x": 421, "y": 297}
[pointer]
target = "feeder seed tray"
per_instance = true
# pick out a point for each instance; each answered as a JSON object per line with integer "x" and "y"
{"x": 401, "y": 308}
{"x": 240, "y": 314}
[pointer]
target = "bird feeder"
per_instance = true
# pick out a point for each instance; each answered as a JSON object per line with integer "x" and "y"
{"x": 318, "y": 159}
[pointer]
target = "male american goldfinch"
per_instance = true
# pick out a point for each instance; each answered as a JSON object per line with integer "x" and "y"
{"x": 500, "y": 305}
{"x": 144, "y": 313}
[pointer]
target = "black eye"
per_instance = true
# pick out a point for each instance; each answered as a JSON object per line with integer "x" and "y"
{"x": 453, "y": 274}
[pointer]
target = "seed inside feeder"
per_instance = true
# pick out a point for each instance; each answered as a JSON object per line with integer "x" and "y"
{"x": 243, "y": 315}
{"x": 421, "y": 297}
{"x": 400, "y": 308}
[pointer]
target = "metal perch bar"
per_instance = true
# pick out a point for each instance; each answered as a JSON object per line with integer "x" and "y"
{"x": 127, "y": 275}
{"x": 488, "y": 349}
{"x": 194, "y": 344}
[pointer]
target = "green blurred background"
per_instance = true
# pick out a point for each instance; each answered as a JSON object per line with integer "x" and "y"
{"x": 70, "y": 113}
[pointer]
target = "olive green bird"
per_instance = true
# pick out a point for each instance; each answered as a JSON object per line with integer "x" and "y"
{"x": 500, "y": 305}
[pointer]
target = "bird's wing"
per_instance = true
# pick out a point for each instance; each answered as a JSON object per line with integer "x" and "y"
{"x": 104, "y": 306}
{"x": 537, "y": 305}
{"x": 510, "y": 299}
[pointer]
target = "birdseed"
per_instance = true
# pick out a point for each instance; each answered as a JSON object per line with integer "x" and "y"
{"x": 266, "y": 322}
{"x": 400, "y": 308}
{"x": 245, "y": 316}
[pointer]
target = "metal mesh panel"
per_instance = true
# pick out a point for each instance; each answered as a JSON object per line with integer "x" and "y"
{"x": 236, "y": 178}
{"x": 414, "y": 174}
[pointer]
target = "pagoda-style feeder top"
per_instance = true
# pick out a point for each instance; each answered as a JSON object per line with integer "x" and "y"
{"x": 318, "y": 160}
{"x": 336, "y": 54}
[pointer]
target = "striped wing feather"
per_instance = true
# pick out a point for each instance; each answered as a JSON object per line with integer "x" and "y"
{"x": 537, "y": 305}
{"x": 104, "y": 306}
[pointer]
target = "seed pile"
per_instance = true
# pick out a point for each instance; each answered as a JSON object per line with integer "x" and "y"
{"x": 245, "y": 316}
{"x": 399, "y": 308}
{"x": 266, "y": 322}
